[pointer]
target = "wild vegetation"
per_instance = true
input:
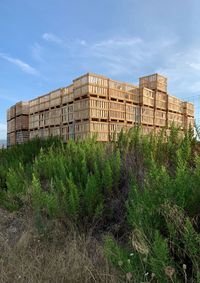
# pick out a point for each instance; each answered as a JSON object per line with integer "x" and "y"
{"x": 138, "y": 197}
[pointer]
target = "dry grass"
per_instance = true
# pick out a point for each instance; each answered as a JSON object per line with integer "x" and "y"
{"x": 63, "y": 257}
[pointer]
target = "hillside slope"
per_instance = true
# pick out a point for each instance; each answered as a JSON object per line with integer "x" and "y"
{"x": 114, "y": 212}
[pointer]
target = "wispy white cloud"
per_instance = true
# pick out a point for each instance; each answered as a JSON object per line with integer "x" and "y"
{"x": 53, "y": 38}
{"x": 26, "y": 68}
{"x": 37, "y": 51}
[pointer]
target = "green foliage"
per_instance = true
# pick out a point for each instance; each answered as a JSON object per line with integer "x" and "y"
{"x": 143, "y": 190}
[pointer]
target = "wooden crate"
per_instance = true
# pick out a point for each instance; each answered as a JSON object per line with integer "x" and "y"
{"x": 175, "y": 104}
{"x": 188, "y": 122}
{"x": 81, "y": 109}
{"x": 22, "y": 108}
{"x": 34, "y": 121}
{"x": 98, "y": 108}
{"x": 83, "y": 80}
{"x": 33, "y": 134}
{"x": 44, "y": 133}
{"x": 71, "y": 112}
{"x": 54, "y": 131}
{"x": 67, "y": 94}
{"x": 100, "y": 130}
{"x": 11, "y": 126}
{"x": 117, "y": 110}
{"x": 161, "y": 100}
{"x": 65, "y": 133}
{"x": 176, "y": 119}
{"x": 147, "y": 97}
{"x": 72, "y": 131}
{"x": 11, "y": 113}
{"x": 55, "y": 116}
{"x": 22, "y": 136}
{"x": 132, "y": 113}
{"x": 188, "y": 108}
{"x": 154, "y": 82}
{"x": 147, "y": 116}
{"x": 160, "y": 118}
{"x": 98, "y": 80}
{"x": 98, "y": 91}
{"x": 22, "y": 122}
{"x": 44, "y": 102}
{"x": 81, "y": 130}
{"x": 12, "y": 138}
{"x": 34, "y": 106}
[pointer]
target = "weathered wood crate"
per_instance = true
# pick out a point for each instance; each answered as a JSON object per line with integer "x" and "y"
{"x": 132, "y": 113}
{"x": 99, "y": 130}
{"x": 22, "y": 122}
{"x": 33, "y": 134}
{"x": 11, "y": 126}
{"x": 34, "y": 105}
{"x": 176, "y": 119}
{"x": 154, "y": 82}
{"x": 117, "y": 110}
{"x": 161, "y": 100}
{"x": 189, "y": 122}
{"x": 65, "y": 133}
{"x": 175, "y": 104}
{"x": 54, "y": 131}
{"x": 22, "y": 108}
{"x": 160, "y": 118}
{"x": 44, "y": 102}
{"x": 188, "y": 108}
{"x": 147, "y": 116}
{"x": 11, "y": 139}
{"x": 11, "y": 113}
{"x": 67, "y": 94}
{"x": 34, "y": 121}
{"x": 147, "y": 97}
{"x": 22, "y": 136}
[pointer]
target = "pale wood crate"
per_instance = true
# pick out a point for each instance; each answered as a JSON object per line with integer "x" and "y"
{"x": 98, "y": 90}
{"x": 160, "y": 118}
{"x": 176, "y": 119}
{"x": 147, "y": 97}
{"x": 175, "y": 104}
{"x": 147, "y": 116}
{"x": 22, "y": 108}
{"x": 22, "y": 122}
{"x": 98, "y": 80}
{"x": 55, "y": 94}
{"x": 11, "y": 126}
{"x": 133, "y": 113}
{"x": 161, "y": 100}
{"x": 22, "y": 136}
{"x": 55, "y": 102}
{"x": 81, "y": 114}
{"x": 54, "y": 131}
{"x": 12, "y": 138}
{"x": 188, "y": 108}
{"x": 83, "y": 80}
{"x": 154, "y": 82}
{"x": 67, "y": 94}
{"x": 189, "y": 122}
{"x": 81, "y": 104}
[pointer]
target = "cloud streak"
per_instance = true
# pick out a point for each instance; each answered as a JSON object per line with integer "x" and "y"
{"x": 53, "y": 38}
{"x": 23, "y": 66}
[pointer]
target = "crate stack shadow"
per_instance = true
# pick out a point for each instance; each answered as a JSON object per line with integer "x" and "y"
{"x": 94, "y": 105}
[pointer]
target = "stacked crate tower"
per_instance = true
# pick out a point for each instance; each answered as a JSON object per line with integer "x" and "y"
{"x": 95, "y": 105}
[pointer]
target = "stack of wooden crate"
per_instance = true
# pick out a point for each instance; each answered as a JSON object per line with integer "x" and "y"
{"x": 97, "y": 105}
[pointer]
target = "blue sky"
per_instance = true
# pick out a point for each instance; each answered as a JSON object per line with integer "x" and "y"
{"x": 45, "y": 44}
